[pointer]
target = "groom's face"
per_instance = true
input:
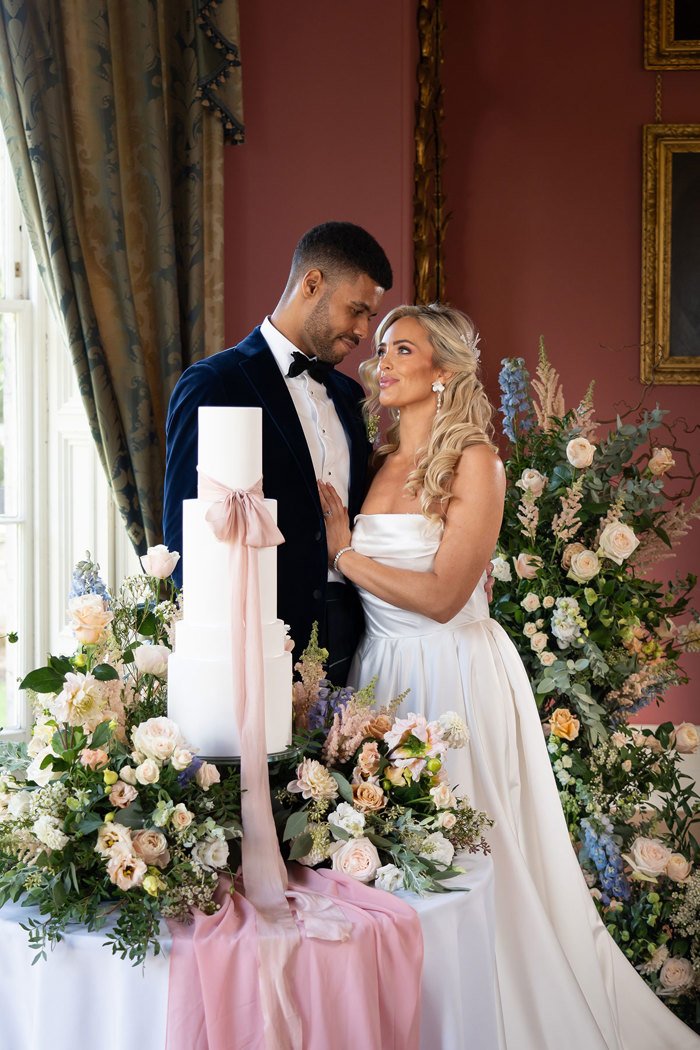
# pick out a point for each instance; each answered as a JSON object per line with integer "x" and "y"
{"x": 339, "y": 319}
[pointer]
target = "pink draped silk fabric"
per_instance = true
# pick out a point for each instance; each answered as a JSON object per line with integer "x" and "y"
{"x": 262, "y": 922}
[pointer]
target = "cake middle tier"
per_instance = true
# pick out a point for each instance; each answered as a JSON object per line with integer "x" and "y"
{"x": 193, "y": 640}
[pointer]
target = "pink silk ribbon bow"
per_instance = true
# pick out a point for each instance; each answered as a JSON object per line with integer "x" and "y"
{"x": 240, "y": 518}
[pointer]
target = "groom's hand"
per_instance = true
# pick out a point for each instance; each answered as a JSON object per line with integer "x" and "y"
{"x": 488, "y": 585}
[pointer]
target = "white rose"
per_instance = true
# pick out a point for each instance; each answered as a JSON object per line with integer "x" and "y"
{"x": 437, "y": 848}
{"x": 531, "y": 480}
{"x": 661, "y": 461}
{"x": 158, "y": 561}
{"x": 357, "y": 858}
{"x": 617, "y": 542}
{"x": 580, "y": 452}
{"x": 678, "y": 868}
{"x": 206, "y": 775}
{"x": 151, "y": 659}
{"x": 649, "y": 856}
{"x": 157, "y": 738}
{"x": 180, "y": 817}
{"x": 584, "y": 566}
{"x": 676, "y": 976}
{"x": 685, "y": 738}
{"x": 538, "y": 641}
{"x": 148, "y": 772}
{"x": 501, "y": 569}
{"x": 211, "y": 853}
{"x": 348, "y": 818}
{"x": 530, "y": 602}
{"x": 389, "y": 878}
{"x": 181, "y": 758}
{"x": 547, "y": 658}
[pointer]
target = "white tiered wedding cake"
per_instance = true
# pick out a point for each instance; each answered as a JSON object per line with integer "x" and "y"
{"x": 200, "y": 668}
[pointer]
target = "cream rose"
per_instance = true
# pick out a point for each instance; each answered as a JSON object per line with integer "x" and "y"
{"x": 547, "y": 659}
{"x": 90, "y": 616}
{"x": 617, "y": 541}
{"x": 447, "y": 819}
{"x": 180, "y": 817}
{"x": 211, "y": 853}
{"x": 313, "y": 781}
{"x": 442, "y": 796}
{"x": 151, "y": 846}
{"x": 151, "y": 659}
{"x": 158, "y": 561}
{"x": 368, "y": 797}
{"x": 584, "y": 566}
{"x": 530, "y": 602}
{"x": 661, "y": 461}
{"x": 181, "y": 758}
{"x": 649, "y": 857}
{"x": 148, "y": 772}
{"x": 678, "y": 868}
{"x": 685, "y": 738}
{"x": 527, "y": 566}
{"x": 532, "y": 481}
{"x": 122, "y": 794}
{"x": 357, "y": 858}
{"x": 157, "y": 738}
{"x": 206, "y": 775}
{"x": 676, "y": 976}
{"x": 128, "y": 775}
{"x": 580, "y": 452}
{"x": 538, "y": 641}
{"x": 564, "y": 724}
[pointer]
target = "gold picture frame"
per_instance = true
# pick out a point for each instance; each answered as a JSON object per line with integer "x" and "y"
{"x": 670, "y": 344}
{"x": 671, "y": 34}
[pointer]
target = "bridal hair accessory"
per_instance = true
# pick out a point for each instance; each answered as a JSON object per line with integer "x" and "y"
{"x": 342, "y": 550}
{"x": 475, "y": 345}
{"x": 439, "y": 387}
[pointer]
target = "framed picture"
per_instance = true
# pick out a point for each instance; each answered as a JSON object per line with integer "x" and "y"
{"x": 670, "y": 345}
{"x": 671, "y": 34}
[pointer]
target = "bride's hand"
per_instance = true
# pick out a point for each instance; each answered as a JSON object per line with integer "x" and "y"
{"x": 336, "y": 519}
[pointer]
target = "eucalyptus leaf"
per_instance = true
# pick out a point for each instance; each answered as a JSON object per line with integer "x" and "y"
{"x": 301, "y": 846}
{"x": 343, "y": 785}
{"x": 296, "y": 823}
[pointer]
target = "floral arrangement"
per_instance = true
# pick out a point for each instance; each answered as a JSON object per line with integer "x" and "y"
{"x": 108, "y": 809}
{"x": 586, "y": 518}
{"x": 370, "y": 794}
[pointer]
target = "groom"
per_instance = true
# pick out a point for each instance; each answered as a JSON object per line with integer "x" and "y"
{"x": 312, "y": 425}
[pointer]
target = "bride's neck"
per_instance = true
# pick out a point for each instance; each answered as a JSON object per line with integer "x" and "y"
{"x": 415, "y": 424}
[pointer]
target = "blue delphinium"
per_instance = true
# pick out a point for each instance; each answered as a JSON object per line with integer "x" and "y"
{"x": 189, "y": 772}
{"x": 322, "y": 710}
{"x": 514, "y": 381}
{"x": 604, "y": 852}
{"x": 86, "y": 579}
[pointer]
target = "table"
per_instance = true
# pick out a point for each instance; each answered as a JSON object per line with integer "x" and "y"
{"x": 84, "y": 997}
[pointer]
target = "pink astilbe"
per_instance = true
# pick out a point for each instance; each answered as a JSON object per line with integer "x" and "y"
{"x": 311, "y": 670}
{"x": 547, "y": 386}
{"x": 676, "y": 523}
{"x": 528, "y": 514}
{"x": 584, "y": 414}
{"x": 346, "y": 734}
{"x": 566, "y": 524}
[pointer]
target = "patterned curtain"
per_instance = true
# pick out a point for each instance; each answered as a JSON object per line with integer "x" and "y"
{"x": 105, "y": 107}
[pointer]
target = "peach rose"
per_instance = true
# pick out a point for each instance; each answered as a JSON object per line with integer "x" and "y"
{"x": 447, "y": 819}
{"x": 563, "y": 724}
{"x": 122, "y": 794}
{"x": 584, "y": 566}
{"x": 158, "y": 561}
{"x": 157, "y": 738}
{"x": 532, "y": 481}
{"x": 378, "y": 726}
{"x": 151, "y": 846}
{"x": 126, "y": 871}
{"x": 90, "y": 616}
{"x": 357, "y": 858}
{"x": 180, "y": 817}
{"x": 93, "y": 759}
{"x": 442, "y": 796}
{"x": 208, "y": 774}
{"x": 369, "y": 758}
{"x": 538, "y": 642}
{"x": 676, "y": 976}
{"x": 617, "y": 542}
{"x": 678, "y": 868}
{"x": 368, "y": 796}
{"x": 568, "y": 553}
{"x": 181, "y": 758}
{"x": 661, "y": 461}
{"x": 685, "y": 738}
{"x": 527, "y": 566}
{"x": 649, "y": 857}
{"x": 148, "y": 772}
{"x": 580, "y": 452}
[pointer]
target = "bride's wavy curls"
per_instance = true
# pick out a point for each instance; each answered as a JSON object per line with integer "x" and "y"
{"x": 465, "y": 416}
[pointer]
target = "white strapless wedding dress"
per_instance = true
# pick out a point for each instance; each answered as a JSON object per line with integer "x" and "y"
{"x": 562, "y": 981}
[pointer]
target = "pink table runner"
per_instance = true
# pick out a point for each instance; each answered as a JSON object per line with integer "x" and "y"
{"x": 360, "y": 994}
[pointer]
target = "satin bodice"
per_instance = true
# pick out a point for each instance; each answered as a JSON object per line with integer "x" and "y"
{"x": 407, "y": 541}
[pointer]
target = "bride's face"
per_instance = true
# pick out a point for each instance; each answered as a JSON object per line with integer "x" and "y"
{"x": 405, "y": 369}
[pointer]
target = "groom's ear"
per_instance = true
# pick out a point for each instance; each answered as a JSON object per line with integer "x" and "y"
{"x": 311, "y": 284}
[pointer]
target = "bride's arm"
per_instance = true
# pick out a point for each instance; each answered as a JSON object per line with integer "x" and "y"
{"x": 471, "y": 530}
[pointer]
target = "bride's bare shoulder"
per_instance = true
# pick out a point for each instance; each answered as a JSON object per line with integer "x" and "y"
{"x": 480, "y": 461}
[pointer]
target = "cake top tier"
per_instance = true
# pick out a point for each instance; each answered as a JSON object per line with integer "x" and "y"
{"x": 230, "y": 445}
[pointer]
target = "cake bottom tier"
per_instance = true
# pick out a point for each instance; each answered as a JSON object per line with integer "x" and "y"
{"x": 200, "y": 701}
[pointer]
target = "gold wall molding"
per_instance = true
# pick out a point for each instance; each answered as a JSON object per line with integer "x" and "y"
{"x": 662, "y": 49}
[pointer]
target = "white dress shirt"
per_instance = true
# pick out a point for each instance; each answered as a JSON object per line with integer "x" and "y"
{"x": 324, "y": 433}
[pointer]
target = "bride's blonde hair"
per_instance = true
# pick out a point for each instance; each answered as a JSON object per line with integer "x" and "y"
{"x": 465, "y": 416}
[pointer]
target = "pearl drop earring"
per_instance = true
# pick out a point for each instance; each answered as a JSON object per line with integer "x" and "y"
{"x": 438, "y": 387}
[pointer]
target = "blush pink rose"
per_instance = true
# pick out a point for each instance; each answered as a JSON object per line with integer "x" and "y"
{"x": 685, "y": 738}
{"x": 206, "y": 775}
{"x": 527, "y": 566}
{"x": 93, "y": 759}
{"x": 151, "y": 846}
{"x": 158, "y": 561}
{"x": 661, "y": 461}
{"x": 357, "y": 858}
{"x": 678, "y": 868}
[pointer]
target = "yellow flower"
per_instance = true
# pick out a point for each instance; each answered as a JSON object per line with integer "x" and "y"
{"x": 110, "y": 777}
{"x": 109, "y": 816}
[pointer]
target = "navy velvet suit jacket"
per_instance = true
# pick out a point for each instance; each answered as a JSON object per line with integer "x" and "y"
{"x": 248, "y": 375}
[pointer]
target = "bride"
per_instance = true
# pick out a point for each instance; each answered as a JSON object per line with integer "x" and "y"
{"x": 417, "y": 553}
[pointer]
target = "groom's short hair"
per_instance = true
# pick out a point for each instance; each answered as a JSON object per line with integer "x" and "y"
{"x": 337, "y": 248}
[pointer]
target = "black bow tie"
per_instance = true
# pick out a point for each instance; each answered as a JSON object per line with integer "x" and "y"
{"x": 318, "y": 370}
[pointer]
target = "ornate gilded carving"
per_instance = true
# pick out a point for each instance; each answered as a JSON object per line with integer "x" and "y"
{"x": 658, "y": 364}
{"x": 429, "y": 215}
{"x": 661, "y": 48}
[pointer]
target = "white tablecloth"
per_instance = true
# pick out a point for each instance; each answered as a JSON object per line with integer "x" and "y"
{"x": 85, "y": 998}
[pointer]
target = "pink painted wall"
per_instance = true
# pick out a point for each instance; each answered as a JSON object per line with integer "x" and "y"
{"x": 544, "y": 110}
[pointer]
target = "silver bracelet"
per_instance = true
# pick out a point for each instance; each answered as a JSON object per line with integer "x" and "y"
{"x": 343, "y": 550}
